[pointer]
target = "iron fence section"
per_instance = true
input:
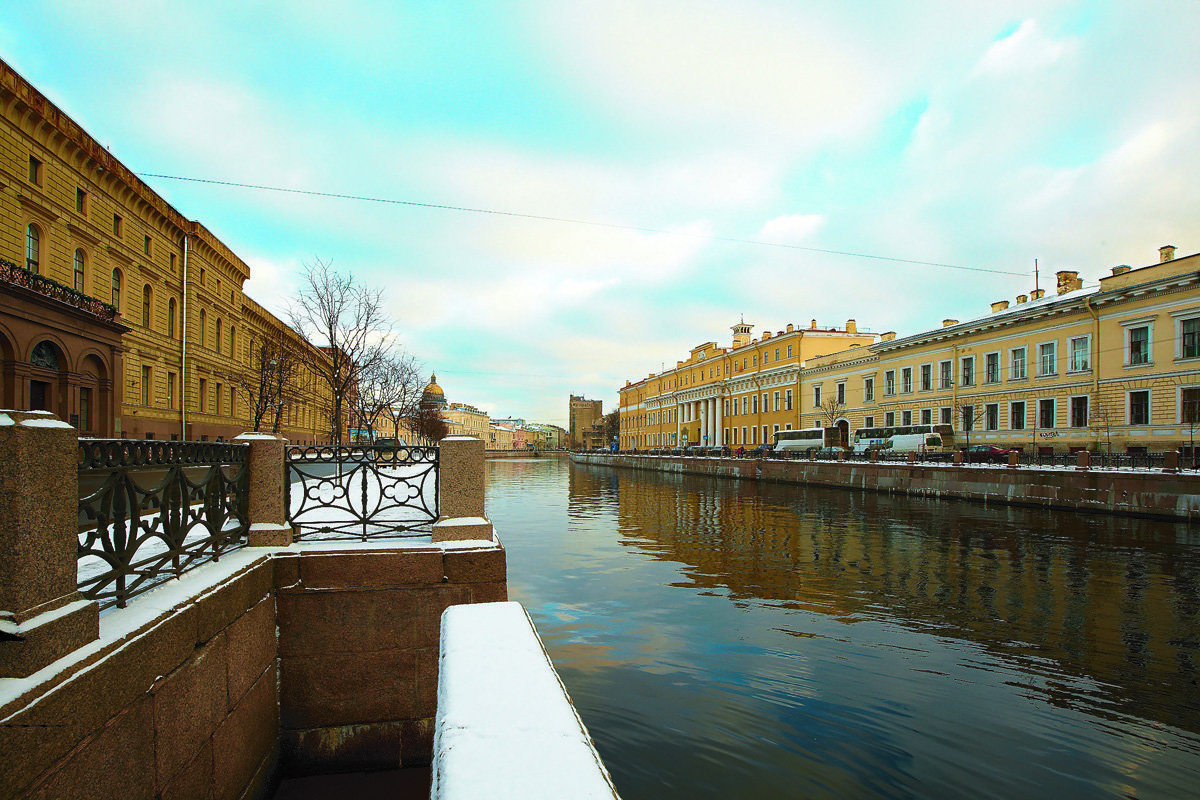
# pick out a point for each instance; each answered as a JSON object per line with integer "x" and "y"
{"x": 362, "y": 491}
{"x": 151, "y": 510}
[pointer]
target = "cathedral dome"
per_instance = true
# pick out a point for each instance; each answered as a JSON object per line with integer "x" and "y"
{"x": 433, "y": 396}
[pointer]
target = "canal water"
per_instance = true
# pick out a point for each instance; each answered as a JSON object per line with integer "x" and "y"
{"x": 737, "y": 639}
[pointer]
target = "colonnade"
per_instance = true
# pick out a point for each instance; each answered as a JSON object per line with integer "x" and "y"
{"x": 709, "y": 414}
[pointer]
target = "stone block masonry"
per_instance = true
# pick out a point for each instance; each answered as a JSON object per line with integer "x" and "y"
{"x": 1164, "y": 495}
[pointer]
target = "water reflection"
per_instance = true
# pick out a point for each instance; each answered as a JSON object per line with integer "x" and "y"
{"x": 755, "y": 640}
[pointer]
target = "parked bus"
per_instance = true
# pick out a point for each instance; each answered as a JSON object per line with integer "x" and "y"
{"x": 906, "y": 439}
{"x": 808, "y": 439}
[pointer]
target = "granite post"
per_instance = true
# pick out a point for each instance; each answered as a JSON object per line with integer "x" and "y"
{"x": 268, "y": 501}
{"x": 42, "y": 614}
{"x": 460, "y": 491}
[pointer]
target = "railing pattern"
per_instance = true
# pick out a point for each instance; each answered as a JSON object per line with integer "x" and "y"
{"x": 149, "y": 511}
{"x": 19, "y": 276}
{"x": 362, "y": 492}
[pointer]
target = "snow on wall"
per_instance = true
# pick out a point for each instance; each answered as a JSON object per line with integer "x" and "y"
{"x": 505, "y": 725}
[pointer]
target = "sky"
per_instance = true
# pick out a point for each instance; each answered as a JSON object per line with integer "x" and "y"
{"x": 773, "y": 161}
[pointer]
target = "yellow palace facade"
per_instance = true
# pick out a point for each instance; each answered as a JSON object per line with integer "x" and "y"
{"x": 1112, "y": 367}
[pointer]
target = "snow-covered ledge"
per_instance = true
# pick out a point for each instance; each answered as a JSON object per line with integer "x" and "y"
{"x": 505, "y": 725}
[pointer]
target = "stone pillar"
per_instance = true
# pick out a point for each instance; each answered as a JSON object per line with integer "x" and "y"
{"x": 268, "y": 500}
{"x": 1171, "y": 461}
{"x": 43, "y": 617}
{"x": 720, "y": 421}
{"x": 704, "y": 440}
{"x": 1014, "y": 460}
{"x": 1082, "y": 459}
{"x": 460, "y": 491}
{"x": 958, "y": 458}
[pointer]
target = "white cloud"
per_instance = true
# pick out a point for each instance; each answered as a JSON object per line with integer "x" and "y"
{"x": 790, "y": 228}
{"x": 1027, "y": 49}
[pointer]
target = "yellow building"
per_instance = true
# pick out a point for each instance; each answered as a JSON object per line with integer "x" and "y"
{"x": 584, "y": 416}
{"x": 1115, "y": 366}
{"x": 467, "y": 420}
{"x": 91, "y": 231}
{"x": 736, "y": 395}
{"x": 500, "y": 437}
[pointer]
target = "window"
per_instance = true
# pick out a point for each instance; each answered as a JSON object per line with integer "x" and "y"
{"x": 218, "y": 332}
{"x": 217, "y": 401}
{"x": 1047, "y": 358}
{"x": 755, "y": 361}
{"x": 33, "y": 249}
{"x": 841, "y": 394}
{"x": 170, "y": 390}
{"x": 788, "y": 400}
{"x": 1189, "y": 341}
{"x": 1079, "y": 354}
{"x": 1139, "y": 345}
{"x": 1046, "y": 413}
{"x": 991, "y": 368}
{"x": 868, "y": 422}
{"x": 754, "y": 403}
{"x": 1016, "y": 415}
{"x": 146, "y": 306}
{"x": 146, "y": 245}
{"x": 945, "y": 415}
{"x": 35, "y": 170}
{"x": 991, "y": 416}
{"x": 869, "y": 391}
{"x": 816, "y": 397}
{"x": 944, "y": 378}
{"x": 203, "y": 327}
{"x": 1189, "y": 406}
{"x": 203, "y": 392}
{"x": 776, "y": 408}
{"x": 118, "y": 225}
{"x": 789, "y": 355}
{"x": 145, "y": 385}
{"x": 1079, "y": 412}
{"x": 81, "y": 201}
{"x": 116, "y": 289}
{"x": 766, "y": 437}
{"x": 926, "y": 377}
{"x": 1016, "y": 370}
{"x": 906, "y": 418}
{"x": 765, "y": 407}
{"x": 776, "y": 353}
{"x": 889, "y": 419}
{"x": 79, "y": 271}
{"x": 1139, "y": 408}
{"x": 968, "y": 418}
{"x": 906, "y": 380}
{"x": 966, "y": 372}
{"x": 889, "y": 382}
{"x": 171, "y": 318}
{"x": 926, "y": 416}
{"x": 172, "y": 262}
{"x": 85, "y": 408}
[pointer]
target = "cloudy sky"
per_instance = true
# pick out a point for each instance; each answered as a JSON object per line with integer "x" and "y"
{"x": 976, "y": 135}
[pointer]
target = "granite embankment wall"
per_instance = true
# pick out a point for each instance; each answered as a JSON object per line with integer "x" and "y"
{"x": 1147, "y": 493}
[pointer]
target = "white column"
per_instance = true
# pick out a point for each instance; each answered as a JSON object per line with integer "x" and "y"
{"x": 703, "y": 422}
{"x": 720, "y": 421}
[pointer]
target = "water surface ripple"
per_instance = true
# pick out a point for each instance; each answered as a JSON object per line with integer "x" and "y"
{"x": 748, "y": 640}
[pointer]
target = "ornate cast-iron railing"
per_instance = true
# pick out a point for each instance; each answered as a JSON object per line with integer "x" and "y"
{"x": 150, "y": 510}
{"x": 362, "y": 492}
{"x": 19, "y": 276}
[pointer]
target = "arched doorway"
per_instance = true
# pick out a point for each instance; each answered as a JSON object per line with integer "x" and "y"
{"x": 843, "y": 427}
{"x": 93, "y": 398}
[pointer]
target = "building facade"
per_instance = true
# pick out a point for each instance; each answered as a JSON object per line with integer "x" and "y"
{"x": 584, "y": 415}
{"x": 1114, "y": 367}
{"x": 108, "y": 257}
{"x": 467, "y": 420}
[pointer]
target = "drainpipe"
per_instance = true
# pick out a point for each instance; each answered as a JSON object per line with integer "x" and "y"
{"x": 183, "y": 348}
{"x": 1087, "y": 302}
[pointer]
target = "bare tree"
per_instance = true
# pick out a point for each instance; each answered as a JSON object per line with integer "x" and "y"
{"x": 612, "y": 426}
{"x": 345, "y": 323}
{"x": 830, "y": 409}
{"x": 428, "y": 424}
{"x": 387, "y": 391}
{"x": 271, "y": 380}
{"x": 1102, "y": 419}
{"x": 969, "y": 415}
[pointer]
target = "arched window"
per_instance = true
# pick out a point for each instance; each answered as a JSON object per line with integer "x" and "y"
{"x": 171, "y": 318}
{"x": 146, "y": 306}
{"x": 79, "y": 270}
{"x": 203, "y": 327}
{"x": 33, "y": 249}
{"x": 116, "y": 289}
{"x": 218, "y": 334}
{"x": 232, "y": 346}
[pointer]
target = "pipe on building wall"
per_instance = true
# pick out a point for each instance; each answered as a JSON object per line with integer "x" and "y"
{"x": 183, "y": 348}
{"x": 1087, "y": 303}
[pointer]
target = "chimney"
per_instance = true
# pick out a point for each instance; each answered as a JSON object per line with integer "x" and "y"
{"x": 851, "y": 326}
{"x": 1037, "y": 294}
{"x": 1068, "y": 281}
{"x": 766, "y": 335}
{"x": 999, "y": 305}
{"x": 887, "y": 337}
{"x": 1021, "y": 298}
{"x": 813, "y": 326}
{"x": 790, "y": 327}
{"x": 1121, "y": 270}
{"x": 946, "y": 323}
{"x": 1166, "y": 253}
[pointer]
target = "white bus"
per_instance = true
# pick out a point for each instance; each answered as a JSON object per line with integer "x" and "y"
{"x": 905, "y": 439}
{"x": 807, "y": 439}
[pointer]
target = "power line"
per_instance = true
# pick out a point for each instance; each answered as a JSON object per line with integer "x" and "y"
{"x": 569, "y": 221}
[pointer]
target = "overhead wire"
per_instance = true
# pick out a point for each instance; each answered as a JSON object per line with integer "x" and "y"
{"x": 569, "y": 221}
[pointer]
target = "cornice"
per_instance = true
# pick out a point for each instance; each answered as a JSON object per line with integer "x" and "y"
{"x": 38, "y": 206}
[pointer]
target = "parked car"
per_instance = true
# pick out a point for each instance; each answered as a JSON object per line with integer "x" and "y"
{"x": 987, "y": 454}
{"x": 762, "y": 451}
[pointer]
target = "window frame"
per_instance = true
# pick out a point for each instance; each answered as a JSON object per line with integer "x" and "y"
{"x": 1053, "y": 373}
{"x": 1073, "y": 407}
{"x": 79, "y": 270}
{"x": 1053, "y": 414}
{"x": 1023, "y": 416}
{"x": 926, "y": 380}
{"x": 1129, "y": 393}
{"x": 33, "y": 248}
{"x": 1021, "y": 374}
{"x": 889, "y": 383}
{"x": 1072, "y": 367}
{"x": 906, "y": 380}
{"x": 966, "y": 370}
{"x": 946, "y": 374}
{"x": 991, "y": 416}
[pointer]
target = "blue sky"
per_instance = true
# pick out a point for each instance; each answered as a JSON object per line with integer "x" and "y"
{"x": 973, "y": 134}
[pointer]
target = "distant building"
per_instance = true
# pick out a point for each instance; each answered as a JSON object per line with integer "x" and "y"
{"x": 585, "y": 415}
{"x": 467, "y": 420}
{"x": 433, "y": 398}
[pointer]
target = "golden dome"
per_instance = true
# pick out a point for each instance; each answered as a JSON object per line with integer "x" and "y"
{"x": 433, "y": 394}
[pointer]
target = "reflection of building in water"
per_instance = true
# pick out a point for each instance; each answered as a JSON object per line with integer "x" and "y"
{"x": 1112, "y": 600}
